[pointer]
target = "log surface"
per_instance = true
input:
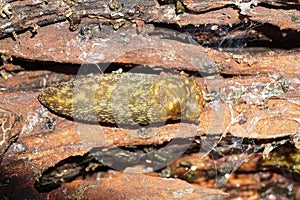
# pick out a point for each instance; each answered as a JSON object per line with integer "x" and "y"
{"x": 245, "y": 55}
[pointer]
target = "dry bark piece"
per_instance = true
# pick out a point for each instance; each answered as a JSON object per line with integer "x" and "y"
{"x": 206, "y": 12}
{"x": 138, "y": 49}
{"x": 285, "y": 18}
{"x": 251, "y": 121}
{"x": 133, "y": 185}
{"x": 284, "y": 63}
{"x": 266, "y": 123}
{"x": 31, "y": 81}
{"x": 144, "y": 49}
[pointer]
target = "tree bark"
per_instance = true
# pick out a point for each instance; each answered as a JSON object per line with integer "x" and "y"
{"x": 244, "y": 54}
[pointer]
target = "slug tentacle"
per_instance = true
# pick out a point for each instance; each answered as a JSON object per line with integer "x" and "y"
{"x": 126, "y": 98}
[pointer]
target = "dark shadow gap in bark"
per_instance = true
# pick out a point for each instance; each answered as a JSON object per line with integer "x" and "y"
{"x": 242, "y": 35}
{"x": 283, "y": 5}
{"x": 100, "y": 159}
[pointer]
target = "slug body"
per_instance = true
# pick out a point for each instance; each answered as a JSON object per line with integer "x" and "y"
{"x": 126, "y": 98}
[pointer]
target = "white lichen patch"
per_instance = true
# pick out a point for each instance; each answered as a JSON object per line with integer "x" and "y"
{"x": 246, "y": 7}
{"x": 256, "y": 92}
{"x": 5, "y": 10}
{"x": 179, "y": 194}
{"x": 296, "y": 139}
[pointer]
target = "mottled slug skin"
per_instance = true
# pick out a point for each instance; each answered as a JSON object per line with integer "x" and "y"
{"x": 126, "y": 98}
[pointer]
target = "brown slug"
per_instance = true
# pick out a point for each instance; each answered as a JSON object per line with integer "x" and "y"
{"x": 126, "y": 98}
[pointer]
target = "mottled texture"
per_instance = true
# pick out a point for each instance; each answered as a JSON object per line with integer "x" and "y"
{"x": 126, "y": 98}
{"x": 9, "y": 129}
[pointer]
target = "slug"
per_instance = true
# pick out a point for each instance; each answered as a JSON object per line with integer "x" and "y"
{"x": 126, "y": 98}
